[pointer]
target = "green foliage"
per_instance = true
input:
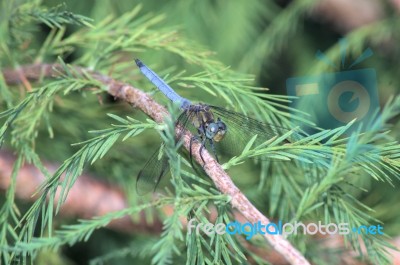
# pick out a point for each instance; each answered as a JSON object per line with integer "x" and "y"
{"x": 326, "y": 176}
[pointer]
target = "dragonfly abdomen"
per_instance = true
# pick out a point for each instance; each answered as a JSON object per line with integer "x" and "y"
{"x": 162, "y": 86}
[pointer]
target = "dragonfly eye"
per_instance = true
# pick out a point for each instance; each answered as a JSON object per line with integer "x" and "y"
{"x": 211, "y": 130}
{"x": 221, "y": 125}
{"x": 221, "y": 130}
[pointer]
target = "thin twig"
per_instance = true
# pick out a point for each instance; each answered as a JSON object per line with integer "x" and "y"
{"x": 141, "y": 100}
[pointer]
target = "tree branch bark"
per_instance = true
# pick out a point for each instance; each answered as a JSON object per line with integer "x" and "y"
{"x": 141, "y": 100}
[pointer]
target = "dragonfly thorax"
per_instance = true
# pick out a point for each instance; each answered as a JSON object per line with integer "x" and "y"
{"x": 203, "y": 120}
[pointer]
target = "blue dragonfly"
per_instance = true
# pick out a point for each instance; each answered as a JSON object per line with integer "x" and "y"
{"x": 217, "y": 129}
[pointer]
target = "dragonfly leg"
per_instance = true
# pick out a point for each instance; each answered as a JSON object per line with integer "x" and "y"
{"x": 203, "y": 145}
{"x": 190, "y": 150}
{"x": 213, "y": 149}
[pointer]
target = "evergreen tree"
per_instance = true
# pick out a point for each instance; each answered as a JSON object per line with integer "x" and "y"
{"x": 71, "y": 95}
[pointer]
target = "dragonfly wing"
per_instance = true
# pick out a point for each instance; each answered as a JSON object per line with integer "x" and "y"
{"x": 184, "y": 120}
{"x": 241, "y": 129}
{"x": 154, "y": 169}
{"x": 157, "y": 166}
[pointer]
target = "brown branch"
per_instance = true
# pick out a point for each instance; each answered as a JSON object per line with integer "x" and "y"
{"x": 144, "y": 102}
{"x": 349, "y": 15}
{"x": 101, "y": 198}
{"x": 396, "y": 5}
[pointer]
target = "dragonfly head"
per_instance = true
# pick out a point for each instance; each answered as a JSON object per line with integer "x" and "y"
{"x": 216, "y": 130}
